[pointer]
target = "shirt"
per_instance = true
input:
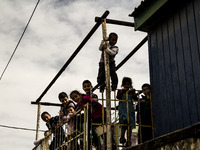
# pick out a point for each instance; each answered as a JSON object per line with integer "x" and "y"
{"x": 97, "y": 110}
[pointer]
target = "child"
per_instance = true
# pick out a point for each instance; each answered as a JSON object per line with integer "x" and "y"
{"x": 112, "y": 51}
{"x": 70, "y": 127}
{"x": 63, "y": 97}
{"x": 58, "y": 133}
{"x": 127, "y": 93}
{"x": 44, "y": 141}
{"x": 87, "y": 86}
{"x": 69, "y": 119}
{"x": 81, "y": 100}
{"x": 145, "y": 114}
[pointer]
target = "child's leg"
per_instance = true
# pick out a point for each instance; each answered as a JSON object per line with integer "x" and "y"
{"x": 113, "y": 75}
{"x": 101, "y": 77}
{"x": 122, "y": 138}
{"x": 129, "y": 133}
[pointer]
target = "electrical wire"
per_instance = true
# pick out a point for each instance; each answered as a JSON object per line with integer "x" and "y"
{"x": 11, "y": 127}
{"x": 19, "y": 40}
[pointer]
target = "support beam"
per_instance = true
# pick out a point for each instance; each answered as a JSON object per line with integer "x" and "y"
{"x": 38, "y": 122}
{"x": 131, "y": 53}
{"x": 117, "y": 22}
{"x": 46, "y": 103}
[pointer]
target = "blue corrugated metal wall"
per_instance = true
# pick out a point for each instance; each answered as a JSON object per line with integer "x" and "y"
{"x": 174, "y": 56}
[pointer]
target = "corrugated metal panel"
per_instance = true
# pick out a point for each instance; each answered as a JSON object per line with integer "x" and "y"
{"x": 174, "y": 56}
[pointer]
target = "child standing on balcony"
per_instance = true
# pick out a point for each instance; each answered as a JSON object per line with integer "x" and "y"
{"x": 64, "y": 99}
{"x": 144, "y": 115}
{"x": 81, "y": 100}
{"x": 58, "y": 132}
{"x": 87, "y": 86}
{"x": 126, "y": 93}
{"x": 70, "y": 123}
{"x": 112, "y": 51}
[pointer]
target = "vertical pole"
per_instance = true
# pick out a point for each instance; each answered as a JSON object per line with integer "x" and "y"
{"x": 84, "y": 130}
{"x": 90, "y": 120}
{"x": 87, "y": 128}
{"x": 38, "y": 122}
{"x": 116, "y": 127}
{"x": 103, "y": 121}
{"x": 128, "y": 119}
{"x": 140, "y": 124}
{"x": 108, "y": 102}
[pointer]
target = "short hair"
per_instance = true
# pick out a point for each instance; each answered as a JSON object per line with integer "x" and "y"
{"x": 86, "y": 81}
{"x": 45, "y": 112}
{"x": 112, "y": 34}
{"x": 146, "y": 85}
{"x": 127, "y": 79}
{"x": 46, "y": 131}
{"x": 74, "y": 92}
{"x": 62, "y": 95}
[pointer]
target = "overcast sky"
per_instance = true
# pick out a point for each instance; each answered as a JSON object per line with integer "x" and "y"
{"x": 55, "y": 31}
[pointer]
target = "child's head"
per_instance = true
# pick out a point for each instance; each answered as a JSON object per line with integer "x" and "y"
{"x": 46, "y": 134}
{"x": 112, "y": 38}
{"x": 127, "y": 83}
{"x": 146, "y": 88}
{"x": 63, "y": 97}
{"x": 76, "y": 96}
{"x": 87, "y": 85}
{"x": 70, "y": 109}
{"x": 46, "y": 116}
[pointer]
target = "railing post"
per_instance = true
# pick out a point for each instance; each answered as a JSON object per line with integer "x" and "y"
{"x": 108, "y": 103}
{"x": 38, "y": 122}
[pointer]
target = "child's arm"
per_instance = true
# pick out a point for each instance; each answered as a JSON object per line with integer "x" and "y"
{"x": 101, "y": 47}
{"x": 112, "y": 51}
{"x": 38, "y": 141}
{"x": 119, "y": 94}
{"x": 133, "y": 93}
{"x": 61, "y": 113}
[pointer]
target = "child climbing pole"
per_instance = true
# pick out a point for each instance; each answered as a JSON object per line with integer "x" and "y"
{"x": 108, "y": 45}
{"x": 107, "y": 69}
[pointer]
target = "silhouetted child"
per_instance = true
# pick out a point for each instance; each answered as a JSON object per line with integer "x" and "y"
{"x": 144, "y": 113}
{"x": 87, "y": 87}
{"x": 112, "y": 51}
{"x": 81, "y": 100}
{"x": 58, "y": 133}
{"x": 126, "y": 93}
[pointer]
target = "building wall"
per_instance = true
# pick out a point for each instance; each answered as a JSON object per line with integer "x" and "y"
{"x": 174, "y": 58}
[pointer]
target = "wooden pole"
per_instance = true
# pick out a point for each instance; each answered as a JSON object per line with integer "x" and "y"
{"x": 38, "y": 121}
{"x": 108, "y": 102}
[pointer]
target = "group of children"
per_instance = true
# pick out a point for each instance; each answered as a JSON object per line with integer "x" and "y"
{"x": 126, "y": 114}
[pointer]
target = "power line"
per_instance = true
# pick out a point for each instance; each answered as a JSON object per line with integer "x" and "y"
{"x": 19, "y": 40}
{"x": 18, "y": 128}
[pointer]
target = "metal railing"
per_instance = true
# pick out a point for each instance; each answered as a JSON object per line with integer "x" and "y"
{"x": 82, "y": 136}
